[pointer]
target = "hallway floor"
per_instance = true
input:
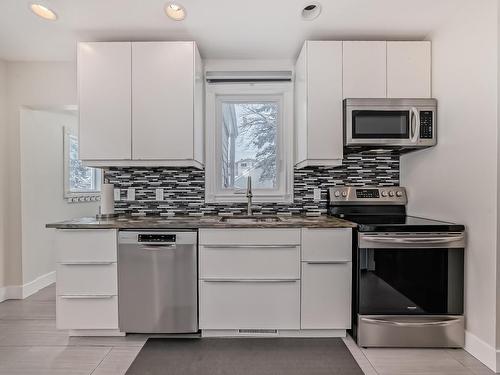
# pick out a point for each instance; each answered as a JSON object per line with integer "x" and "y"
{"x": 30, "y": 344}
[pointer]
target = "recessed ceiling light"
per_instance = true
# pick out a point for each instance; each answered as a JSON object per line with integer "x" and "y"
{"x": 175, "y": 11}
{"x": 311, "y": 11}
{"x": 43, "y": 12}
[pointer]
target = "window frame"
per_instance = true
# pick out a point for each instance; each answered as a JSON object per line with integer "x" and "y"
{"x": 216, "y": 93}
{"x": 76, "y": 196}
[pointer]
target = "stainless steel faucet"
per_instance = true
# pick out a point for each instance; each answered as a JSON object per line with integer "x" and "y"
{"x": 249, "y": 196}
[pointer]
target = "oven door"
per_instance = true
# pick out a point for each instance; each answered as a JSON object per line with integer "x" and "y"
{"x": 410, "y": 273}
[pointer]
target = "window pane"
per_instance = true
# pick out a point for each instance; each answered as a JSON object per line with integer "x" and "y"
{"x": 249, "y": 142}
{"x": 81, "y": 178}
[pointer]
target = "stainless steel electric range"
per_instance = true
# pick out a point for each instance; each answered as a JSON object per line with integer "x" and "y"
{"x": 408, "y": 276}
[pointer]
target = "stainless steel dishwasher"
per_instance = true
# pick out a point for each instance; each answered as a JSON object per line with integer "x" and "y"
{"x": 157, "y": 282}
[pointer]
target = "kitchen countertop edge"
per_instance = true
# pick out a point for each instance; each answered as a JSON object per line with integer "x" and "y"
{"x": 202, "y": 222}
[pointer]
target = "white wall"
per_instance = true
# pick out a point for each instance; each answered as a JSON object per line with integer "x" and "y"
{"x": 3, "y": 173}
{"x": 457, "y": 180}
{"x": 40, "y": 85}
{"x": 42, "y": 188}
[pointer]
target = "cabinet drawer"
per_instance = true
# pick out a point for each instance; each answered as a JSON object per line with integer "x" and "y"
{"x": 87, "y": 312}
{"x": 249, "y": 237}
{"x": 326, "y": 295}
{"x": 77, "y": 278}
{"x": 250, "y": 304}
{"x": 327, "y": 244}
{"x": 250, "y": 261}
{"x": 86, "y": 245}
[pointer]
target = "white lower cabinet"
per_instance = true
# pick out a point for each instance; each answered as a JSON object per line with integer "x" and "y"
{"x": 295, "y": 282}
{"x": 87, "y": 312}
{"x": 87, "y": 287}
{"x": 246, "y": 304}
{"x": 326, "y": 295}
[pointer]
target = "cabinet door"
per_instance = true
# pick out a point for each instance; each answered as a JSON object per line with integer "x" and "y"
{"x": 326, "y": 295}
{"x": 324, "y": 100}
{"x": 250, "y": 304}
{"x": 409, "y": 69}
{"x": 300, "y": 94}
{"x": 104, "y": 91}
{"x": 364, "y": 69}
{"x": 162, "y": 100}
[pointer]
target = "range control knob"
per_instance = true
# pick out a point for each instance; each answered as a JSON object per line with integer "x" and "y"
{"x": 384, "y": 193}
{"x": 337, "y": 193}
{"x": 344, "y": 194}
{"x": 391, "y": 193}
{"x": 399, "y": 194}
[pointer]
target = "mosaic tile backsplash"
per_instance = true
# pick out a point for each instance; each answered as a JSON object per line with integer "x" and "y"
{"x": 184, "y": 188}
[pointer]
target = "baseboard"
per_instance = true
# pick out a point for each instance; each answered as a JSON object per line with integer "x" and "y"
{"x": 39, "y": 283}
{"x": 481, "y": 350}
{"x": 96, "y": 332}
{"x": 26, "y": 290}
{"x": 305, "y": 333}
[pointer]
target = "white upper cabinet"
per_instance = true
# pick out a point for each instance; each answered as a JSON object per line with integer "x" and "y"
{"x": 364, "y": 72}
{"x": 408, "y": 69}
{"x": 141, "y": 103}
{"x": 104, "y": 85}
{"x": 318, "y": 104}
{"x": 163, "y": 94}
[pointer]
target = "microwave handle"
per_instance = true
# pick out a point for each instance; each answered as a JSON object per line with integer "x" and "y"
{"x": 414, "y": 124}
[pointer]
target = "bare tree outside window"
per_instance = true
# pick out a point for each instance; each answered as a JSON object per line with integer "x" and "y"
{"x": 250, "y": 144}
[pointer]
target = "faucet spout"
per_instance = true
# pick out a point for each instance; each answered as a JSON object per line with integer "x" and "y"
{"x": 249, "y": 196}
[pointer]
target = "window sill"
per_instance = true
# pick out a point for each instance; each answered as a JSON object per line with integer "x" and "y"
{"x": 82, "y": 197}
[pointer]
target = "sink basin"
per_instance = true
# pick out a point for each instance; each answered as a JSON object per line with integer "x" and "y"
{"x": 250, "y": 219}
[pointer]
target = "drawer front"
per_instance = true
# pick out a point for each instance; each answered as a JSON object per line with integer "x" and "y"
{"x": 86, "y": 245}
{"x": 77, "y": 278}
{"x": 250, "y": 305}
{"x": 327, "y": 244}
{"x": 87, "y": 312}
{"x": 249, "y": 236}
{"x": 326, "y": 295}
{"x": 250, "y": 262}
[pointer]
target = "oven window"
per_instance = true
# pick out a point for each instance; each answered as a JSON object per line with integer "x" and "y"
{"x": 380, "y": 124}
{"x": 411, "y": 281}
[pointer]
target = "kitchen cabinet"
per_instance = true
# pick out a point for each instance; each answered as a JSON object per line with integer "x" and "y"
{"x": 87, "y": 286}
{"x": 249, "y": 279}
{"x": 364, "y": 69}
{"x": 326, "y": 279}
{"x": 409, "y": 69}
{"x": 165, "y": 77}
{"x": 318, "y": 104}
{"x": 104, "y": 92}
{"x": 150, "y": 111}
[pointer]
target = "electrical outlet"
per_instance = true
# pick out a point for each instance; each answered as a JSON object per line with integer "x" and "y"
{"x": 159, "y": 194}
{"x": 116, "y": 193}
{"x": 317, "y": 195}
{"x": 131, "y": 194}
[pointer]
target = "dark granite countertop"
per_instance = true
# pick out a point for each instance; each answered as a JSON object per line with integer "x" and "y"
{"x": 195, "y": 222}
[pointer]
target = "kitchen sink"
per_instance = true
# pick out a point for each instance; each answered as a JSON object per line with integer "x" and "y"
{"x": 250, "y": 219}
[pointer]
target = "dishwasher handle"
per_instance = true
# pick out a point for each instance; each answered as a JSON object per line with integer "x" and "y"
{"x": 157, "y": 246}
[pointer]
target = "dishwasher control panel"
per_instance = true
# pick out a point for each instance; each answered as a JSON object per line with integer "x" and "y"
{"x": 156, "y": 238}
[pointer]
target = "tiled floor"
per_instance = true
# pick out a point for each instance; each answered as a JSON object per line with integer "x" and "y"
{"x": 30, "y": 344}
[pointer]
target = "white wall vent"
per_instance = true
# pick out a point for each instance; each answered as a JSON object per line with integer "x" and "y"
{"x": 248, "y": 76}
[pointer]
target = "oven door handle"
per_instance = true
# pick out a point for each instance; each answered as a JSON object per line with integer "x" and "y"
{"x": 411, "y": 324}
{"x": 413, "y": 240}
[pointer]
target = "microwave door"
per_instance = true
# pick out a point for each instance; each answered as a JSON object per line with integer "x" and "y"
{"x": 382, "y": 126}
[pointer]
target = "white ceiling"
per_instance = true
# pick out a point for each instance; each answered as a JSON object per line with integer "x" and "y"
{"x": 224, "y": 29}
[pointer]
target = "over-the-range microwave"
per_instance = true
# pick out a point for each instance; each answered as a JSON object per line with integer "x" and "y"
{"x": 389, "y": 125}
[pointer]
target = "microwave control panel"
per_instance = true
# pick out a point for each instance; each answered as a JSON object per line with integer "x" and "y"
{"x": 426, "y": 125}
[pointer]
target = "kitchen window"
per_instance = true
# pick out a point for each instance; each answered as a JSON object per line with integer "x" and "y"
{"x": 81, "y": 183}
{"x": 249, "y": 134}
